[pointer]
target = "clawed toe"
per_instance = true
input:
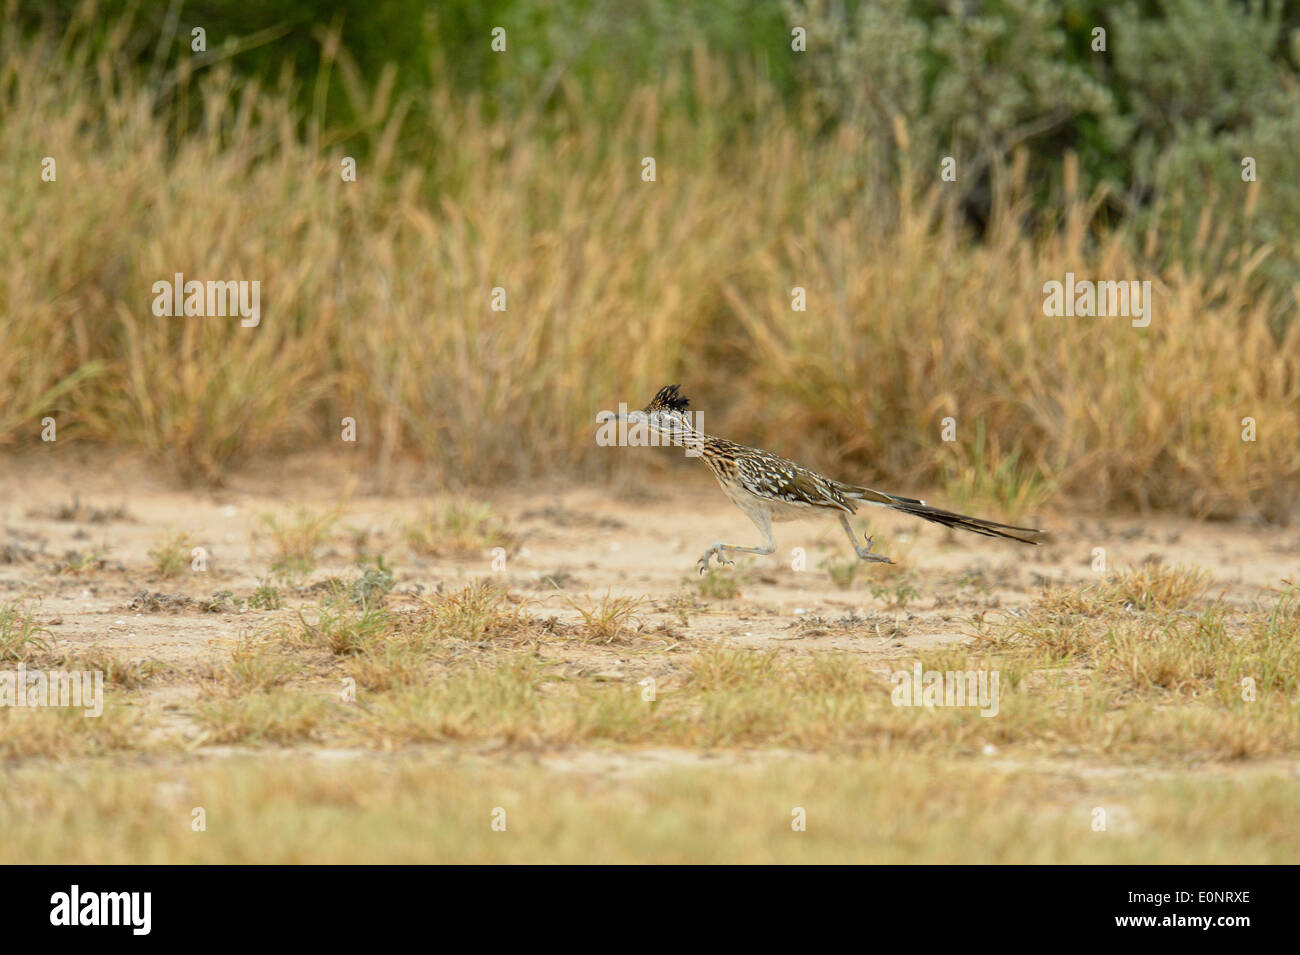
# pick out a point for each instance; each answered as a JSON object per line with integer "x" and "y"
{"x": 703, "y": 562}
{"x": 865, "y": 553}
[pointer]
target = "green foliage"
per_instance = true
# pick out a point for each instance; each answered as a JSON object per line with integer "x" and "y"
{"x": 1207, "y": 84}
{"x": 717, "y": 583}
{"x": 374, "y": 583}
{"x": 20, "y": 634}
{"x": 1183, "y": 90}
{"x": 1159, "y": 120}
{"x": 266, "y": 597}
{"x": 897, "y": 595}
{"x": 607, "y": 50}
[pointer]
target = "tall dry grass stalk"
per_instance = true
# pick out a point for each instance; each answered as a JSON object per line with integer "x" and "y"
{"x": 376, "y": 298}
{"x": 913, "y": 325}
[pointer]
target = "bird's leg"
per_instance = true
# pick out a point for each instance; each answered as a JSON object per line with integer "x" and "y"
{"x": 862, "y": 552}
{"x": 763, "y": 521}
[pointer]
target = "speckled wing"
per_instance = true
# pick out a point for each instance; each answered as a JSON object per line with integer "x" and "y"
{"x": 779, "y": 479}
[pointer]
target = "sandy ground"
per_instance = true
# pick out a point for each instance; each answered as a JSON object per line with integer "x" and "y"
{"x": 641, "y": 539}
{"x": 77, "y": 528}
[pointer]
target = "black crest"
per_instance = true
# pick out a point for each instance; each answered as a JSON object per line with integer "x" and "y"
{"x": 668, "y": 400}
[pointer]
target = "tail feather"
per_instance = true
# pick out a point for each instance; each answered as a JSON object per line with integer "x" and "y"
{"x": 977, "y": 525}
{"x": 870, "y": 496}
{"x": 918, "y": 508}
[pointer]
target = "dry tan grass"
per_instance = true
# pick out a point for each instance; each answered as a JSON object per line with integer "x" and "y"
{"x": 1147, "y": 587}
{"x": 609, "y": 619}
{"x": 458, "y": 527}
{"x": 1238, "y": 657}
{"x": 253, "y": 666}
{"x": 1157, "y": 685}
{"x": 278, "y": 718}
{"x": 1142, "y": 678}
{"x": 908, "y": 322}
{"x": 66, "y": 732}
{"x": 288, "y": 810}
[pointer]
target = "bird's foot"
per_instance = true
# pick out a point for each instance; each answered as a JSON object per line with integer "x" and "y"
{"x": 865, "y": 553}
{"x": 714, "y": 551}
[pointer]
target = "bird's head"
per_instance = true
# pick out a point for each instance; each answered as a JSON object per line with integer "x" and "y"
{"x": 665, "y": 415}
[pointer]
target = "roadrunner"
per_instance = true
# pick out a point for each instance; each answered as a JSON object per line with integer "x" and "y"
{"x": 767, "y": 487}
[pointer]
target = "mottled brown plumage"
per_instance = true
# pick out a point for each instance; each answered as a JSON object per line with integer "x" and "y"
{"x": 768, "y": 487}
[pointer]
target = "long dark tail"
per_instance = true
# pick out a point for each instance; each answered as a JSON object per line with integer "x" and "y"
{"x": 976, "y": 525}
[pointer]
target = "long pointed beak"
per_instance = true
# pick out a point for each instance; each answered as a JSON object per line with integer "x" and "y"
{"x": 620, "y": 416}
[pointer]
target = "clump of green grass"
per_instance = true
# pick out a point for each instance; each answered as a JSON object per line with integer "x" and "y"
{"x": 297, "y": 539}
{"x": 266, "y": 597}
{"x": 720, "y": 583}
{"x": 842, "y": 570}
{"x": 458, "y": 528}
{"x": 1219, "y": 651}
{"x": 897, "y": 595}
{"x": 341, "y": 627}
{"x": 386, "y": 651}
{"x": 981, "y": 475}
{"x": 172, "y": 555}
{"x": 374, "y": 584}
{"x": 21, "y": 637}
{"x": 79, "y": 563}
